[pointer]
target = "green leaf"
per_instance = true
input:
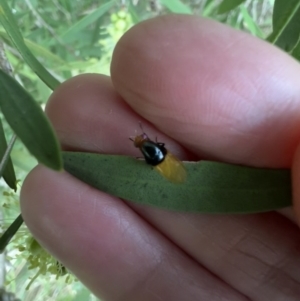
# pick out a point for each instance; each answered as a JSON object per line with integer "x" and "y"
{"x": 228, "y": 5}
{"x": 71, "y": 33}
{"x": 210, "y": 187}
{"x": 36, "y": 49}
{"x": 286, "y": 25}
{"x": 209, "y": 8}
{"x": 83, "y": 295}
{"x": 9, "y": 173}
{"x": 29, "y": 122}
{"x": 10, "y": 232}
{"x": 11, "y": 27}
{"x": 296, "y": 51}
{"x": 176, "y": 6}
{"x": 134, "y": 15}
{"x": 250, "y": 23}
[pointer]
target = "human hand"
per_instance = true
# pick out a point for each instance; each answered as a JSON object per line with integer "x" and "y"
{"x": 208, "y": 92}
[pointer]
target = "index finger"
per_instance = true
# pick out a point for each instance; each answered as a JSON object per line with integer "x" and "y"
{"x": 222, "y": 94}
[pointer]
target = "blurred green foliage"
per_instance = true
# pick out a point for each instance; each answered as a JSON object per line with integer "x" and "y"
{"x": 71, "y": 37}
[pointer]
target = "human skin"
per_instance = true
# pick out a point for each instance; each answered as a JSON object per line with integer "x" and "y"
{"x": 208, "y": 92}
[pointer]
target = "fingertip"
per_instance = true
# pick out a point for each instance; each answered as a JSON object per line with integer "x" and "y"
{"x": 218, "y": 91}
{"x": 41, "y": 199}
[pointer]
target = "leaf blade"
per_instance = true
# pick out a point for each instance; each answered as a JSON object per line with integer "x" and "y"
{"x": 29, "y": 122}
{"x": 176, "y": 6}
{"x": 37, "y": 50}
{"x": 250, "y": 23}
{"x": 71, "y": 33}
{"x": 228, "y": 5}
{"x": 10, "y": 232}
{"x": 211, "y": 187}
{"x": 9, "y": 175}
{"x": 286, "y": 27}
{"x": 11, "y": 27}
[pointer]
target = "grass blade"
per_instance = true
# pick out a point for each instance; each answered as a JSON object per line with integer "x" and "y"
{"x": 250, "y": 23}
{"x": 37, "y": 49}
{"x": 29, "y": 122}
{"x": 228, "y": 5}
{"x": 211, "y": 187}
{"x": 11, "y": 27}
{"x": 176, "y": 6}
{"x": 8, "y": 169}
{"x": 10, "y": 232}
{"x": 71, "y": 33}
{"x": 134, "y": 14}
{"x": 296, "y": 50}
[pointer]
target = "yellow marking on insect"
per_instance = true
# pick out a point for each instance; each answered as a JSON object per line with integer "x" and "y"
{"x": 172, "y": 169}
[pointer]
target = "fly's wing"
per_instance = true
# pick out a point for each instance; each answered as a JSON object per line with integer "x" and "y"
{"x": 172, "y": 169}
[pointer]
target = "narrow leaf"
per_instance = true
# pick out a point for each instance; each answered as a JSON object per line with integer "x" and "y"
{"x": 286, "y": 25}
{"x": 71, "y": 33}
{"x": 210, "y": 187}
{"x": 250, "y": 23}
{"x": 10, "y": 232}
{"x": 209, "y": 8}
{"x": 11, "y": 27}
{"x": 228, "y": 5}
{"x": 9, "y": 172}
{"x": 296, "y": 50}
{"x": 82, "y": 295}
{"x": 36, "y": 49}
{"x": 176, "y": 6}
{"x": 134, "y": 15}
{"x": 29, "y": 122}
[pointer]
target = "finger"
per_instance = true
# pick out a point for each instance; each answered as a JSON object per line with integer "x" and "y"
{"x": 257, "y": 254}
{"x": 108, "y": 246}
{"x": 219, "y": 92}
{"x": 237, "y": 102}
{"x": 88, "y": 114}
